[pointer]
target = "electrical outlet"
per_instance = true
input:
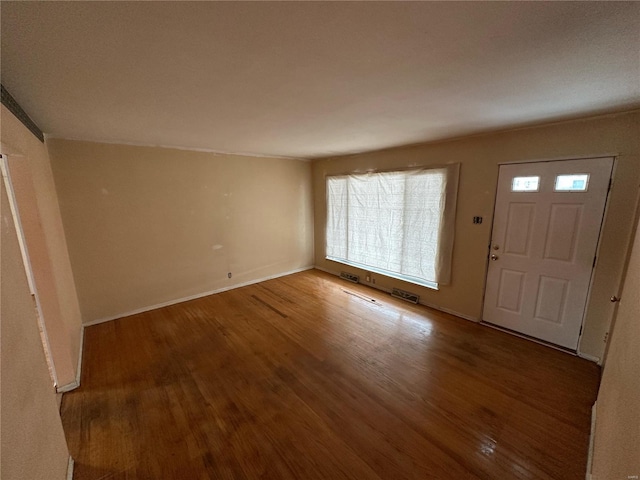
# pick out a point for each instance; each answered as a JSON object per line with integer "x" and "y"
{"x": 229, "y": 275}
{"x": 368, "y": 278}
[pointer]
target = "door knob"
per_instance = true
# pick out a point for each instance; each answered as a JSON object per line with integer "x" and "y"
{"x": 494, "y": 257}
{"x": 614, "y": 299}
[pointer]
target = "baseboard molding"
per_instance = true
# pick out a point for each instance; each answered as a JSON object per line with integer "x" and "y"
{"x": 70, "y": 466}
{"x": 193, "y": 297}
{"x": 68, "y": 387}
{"x": 591, "y": 358}
{"x": 388, "y": 290}
{"x": 591, "y": 441}
{"x": 451, "y": 312}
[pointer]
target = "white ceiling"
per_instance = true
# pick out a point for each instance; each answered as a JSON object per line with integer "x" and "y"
{"x": 307, "y": 79}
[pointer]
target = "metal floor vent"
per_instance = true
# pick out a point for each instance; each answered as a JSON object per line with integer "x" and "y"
{"x": 350, "y": 276}
{"x": 408, "y": 296}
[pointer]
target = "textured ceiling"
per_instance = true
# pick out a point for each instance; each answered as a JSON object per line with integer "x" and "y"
{"x": 307, "y": 79}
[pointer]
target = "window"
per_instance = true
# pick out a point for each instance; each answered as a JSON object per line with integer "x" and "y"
{"x": 525, "y": 184}
{"x": 572, "y": 183}
{"x": 398, "y": 224}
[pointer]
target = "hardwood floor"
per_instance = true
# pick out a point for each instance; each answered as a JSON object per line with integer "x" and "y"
{"x": 310, "y": 377}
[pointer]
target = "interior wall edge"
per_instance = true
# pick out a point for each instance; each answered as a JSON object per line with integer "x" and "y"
{"x": 76, "y": 383}
{"x": 80, "y": 356}
{"x": 32, "y": 439}
{"x": 19, "y": 144}
{"x": 592, "y": 432}
{"x": 617, "y": 430}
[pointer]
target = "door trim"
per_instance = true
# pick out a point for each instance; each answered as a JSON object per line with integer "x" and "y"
{"x": 605, "y": 213}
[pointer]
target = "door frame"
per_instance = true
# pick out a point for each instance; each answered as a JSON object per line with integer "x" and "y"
{"x": 6, "y": 178}
{"x": 605, "y": 213}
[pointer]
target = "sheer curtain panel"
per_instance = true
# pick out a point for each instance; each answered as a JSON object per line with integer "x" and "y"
{"x": 398, "y": 223}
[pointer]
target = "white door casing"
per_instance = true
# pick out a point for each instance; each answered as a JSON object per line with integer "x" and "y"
{"x": 543, "y": 247}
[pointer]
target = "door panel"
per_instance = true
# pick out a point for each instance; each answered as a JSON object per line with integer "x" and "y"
{"x": 519, "y": 229}
{"x": 551, "y": 299}
{"x": 510, "y": 294}
{"x": 543, "y": 244}
{"x": 564, "y": 224}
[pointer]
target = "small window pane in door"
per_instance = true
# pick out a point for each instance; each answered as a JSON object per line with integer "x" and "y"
{"x": 572, "y": 183}
{"x": 525, "y": 184}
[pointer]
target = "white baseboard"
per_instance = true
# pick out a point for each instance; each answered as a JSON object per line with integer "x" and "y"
{"x": 591, "y": 358}
{"x": 193, "y": 297}
{"x": 68, "y": 387}
{"x": 451, "y": 312}
{"x": 388, "y": 290}
{"x": 70, "y": 466}
{"x": 591, "y": 440}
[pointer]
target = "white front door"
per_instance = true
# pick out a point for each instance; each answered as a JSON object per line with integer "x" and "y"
{"x": 545, "y": 233}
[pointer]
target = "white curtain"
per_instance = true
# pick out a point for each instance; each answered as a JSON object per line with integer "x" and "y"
{"x": 398, "y": 222}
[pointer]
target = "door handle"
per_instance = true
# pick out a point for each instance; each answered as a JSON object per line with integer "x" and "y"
{"x": 614, "y": 299}
{"x": 494, "y": 257}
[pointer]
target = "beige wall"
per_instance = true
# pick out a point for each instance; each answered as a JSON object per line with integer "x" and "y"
{"x": 32, "y": 443}
{"x": 480, "y": 157}
{"x": 617, "y": 433}
{"x": 38, "y": 203}
{"x": 150, "y": 225}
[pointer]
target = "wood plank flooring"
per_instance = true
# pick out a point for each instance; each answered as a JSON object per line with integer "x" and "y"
{"x": 311, "y": 377}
